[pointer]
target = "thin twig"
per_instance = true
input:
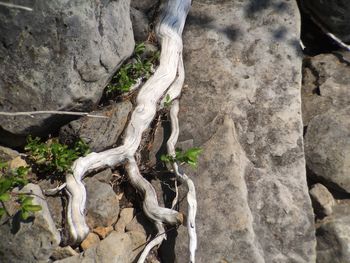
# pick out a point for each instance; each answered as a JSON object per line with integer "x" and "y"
{"x": 32, "y": 113}
{"x": 16, "y": 6}
{"x": 159, "y": 234}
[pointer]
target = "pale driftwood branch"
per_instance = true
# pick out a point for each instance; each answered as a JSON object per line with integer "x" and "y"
{"x": 183, "y": 178}
{"x": 9, "y": 5}
{"x": 32, "y": 113}
{"x": 169, "y": 31}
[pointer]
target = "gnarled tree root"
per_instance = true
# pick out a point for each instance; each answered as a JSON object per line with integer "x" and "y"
{"x": 168, "y": 76}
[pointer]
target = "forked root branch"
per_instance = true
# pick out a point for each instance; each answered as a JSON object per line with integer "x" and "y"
{"x": 169, "y": 78}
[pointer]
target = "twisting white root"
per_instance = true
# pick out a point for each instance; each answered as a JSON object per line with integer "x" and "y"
{"x": 169, "y": 31}
{"x": 183, "y": 178}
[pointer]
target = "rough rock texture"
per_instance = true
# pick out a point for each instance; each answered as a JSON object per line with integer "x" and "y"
{"x": 59, "y": 57}
{"x": 102, "y": 204}
{"x": 102, "y": 232}
{"x": 55, "y": 203}
{"x": 139, "y": 24}
{"x": 143, "y": 5}
{"x": 98, "y": 133}
{"x": 125, "y": 217}
{"x": 32, "y": 240}
{"x": 7, "y": 154}
{"x": 242, "y": 106}
{"x": 92, "y": 240}
{"x": 326, "y": 79}
{"x": 117, "y": 247}
{"x": 322, "y": 200}
{"x": 327, "y": 147}
{"x": 63, "y": 252}
{"x": 333, "y": 15}
{"x": 333, "y": 238}
{"x": 140, "y": 223}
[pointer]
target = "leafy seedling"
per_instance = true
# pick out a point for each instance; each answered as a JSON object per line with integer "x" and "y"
{"x": 9, "y": 179}
{"x": 167, "y": 101}
{"x": 53, "y": 157}
{"x": 190, "y": 157}
{"x": 139, "y": 67}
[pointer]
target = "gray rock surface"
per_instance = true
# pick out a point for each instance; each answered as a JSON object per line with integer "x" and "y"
{"x": 326, "y": 79}
{"x": 322, "y": 200}
{"x": 7, "y": 154}
{"x": 98, "y": 133}
{"x": 327, "y": 147}
{"x": 140, "y": 23}
{"x": 102, "y": 204}
{"x": 55, "y": 203}
{"x": 125, "y": 217}
{"x": 333, "y": 15}
{"x": 63, "y": 252}
{"x": 117, "y": 247}
{"x": 140, "y": 223}
{"x": 32, "y": 240}
{"x": 143, "y": 5}
{"x": 59, "y": 57}
{"x": 242, "y": 106}
{"x": 333, "y": 238}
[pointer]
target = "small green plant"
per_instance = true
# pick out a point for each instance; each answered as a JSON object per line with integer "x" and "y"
{"x": 26, "y": 206}
{"x": 128, "y": 74}
{"x": 190, "y": 156}
{"x": 52, "y": 156}
{"x": 9, "y": 179}
{"x": 167, "y": 101}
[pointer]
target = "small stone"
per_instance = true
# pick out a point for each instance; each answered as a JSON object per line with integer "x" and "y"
{"x": 117, "y": 247}
{"x": 129, "y": 246}
{"x": 102, "y": 232}
{"x": 102, "y": 204}
{"x": 105, "y": 176}
{"x": 92, "y": 240}
{"x": 7, "y": 154}
{"x": 63, "y": 252}
{"x": 140, "y": 224}
{"x": 327, "y": 148}
{"x": 17, "y": 162}
{"x": 322, "y": 199}
{"x": 125, "y": 217}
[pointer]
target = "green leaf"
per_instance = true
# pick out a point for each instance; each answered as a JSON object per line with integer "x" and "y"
{"x": 5, "y": 185}
{"x": 165, "y": 158}
{"x": 5, "y": 197}
{"x": 32, "y": 208}
{"x": 24, "y": 214}
{"x": 193, "y": 153}
{"x": 26, "y": 200}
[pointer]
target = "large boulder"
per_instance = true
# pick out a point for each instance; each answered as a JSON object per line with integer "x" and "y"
{"x": 32, "y": 240}
{"x": 242, "y": 107}
{"x": 60, "y": 56}
{"x": 327, "y": 148}
{"x": 98, "y": 133}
